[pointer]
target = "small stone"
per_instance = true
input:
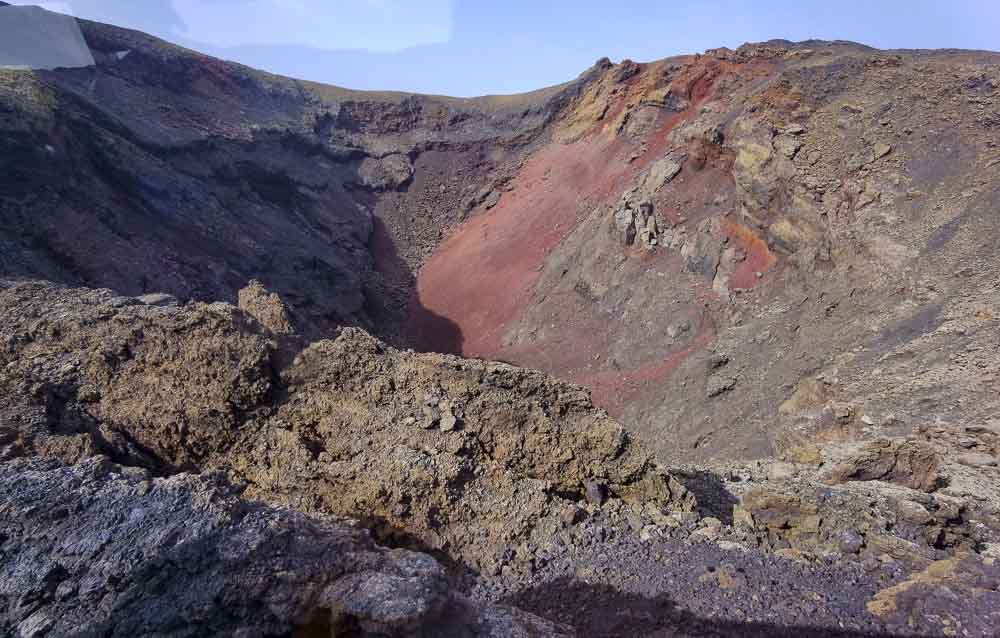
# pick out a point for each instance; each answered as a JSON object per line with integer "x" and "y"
{"x": 431, "y": 399}
{"x": 742, "y": 518}
{"x": 159, "y": 299}
{"x": 572, "y": 514}
{"x": 977, "y": 429}
{"x": 718, "y": 384}
{"x": 634, "y": 521}
{"x": 881, "y": 150}
{"x": 976, "y": 459}
{"x": 780, "y": 471}
{"x": 730, "y": 578}
{"x": 678, "y": 329}
{"x": 648, "y": 533}
{"x": 850, "y": 542}
{"x": 867, "y": 420}
{"x": 491, "y": 200}
{"x": 448, "y": 419}
{"x": 711, "y": 521}
{"x": 706, "y": 534}
{"x": 732, "y": 546}
{"x": 841, "y": 411}
{"x": 122, "y": 302}
{"x": 717, "y": 360}
{"x": 787, "y": 146}
{"x": 913, "y": 512}
{"x": 432, "y": 415}
{"x": 595, "y": 493}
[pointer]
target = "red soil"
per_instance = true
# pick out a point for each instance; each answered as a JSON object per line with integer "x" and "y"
{"x": 759, "y": 257}
{"x": 483, "y": 274}
{"x": 613, "y": 389}
{"x": 481, "y": 279}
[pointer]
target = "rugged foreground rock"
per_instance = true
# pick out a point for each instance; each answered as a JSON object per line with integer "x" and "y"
{"x": 97, "y": 549}
{"x": 467, "y": 456}
{"x": 515, "y": 482}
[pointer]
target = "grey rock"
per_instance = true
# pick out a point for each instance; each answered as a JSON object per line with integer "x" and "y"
{"x": 159, "y": 299}
{"x": 976, "y": 459}
{"x": 718, "y": 384}
{"x": 661, "y": 172}
{"x": 432, "y": 416}
{"x": 572, "y": 514}
{"x": 448, "y": 419}
{"x": 488, "y": 197}
{"x": 881, "y": 150}
{"x": 491, "y": 200}
{"x": 850, "y": 542}
{"x": 787, "y": 145}
{"x": 634, "y": 219}
{"x": 385, "y": 173}
{"x": 103, "y": 550}
{"x": 595, "y": 492}
{"x": 913, "y": 512}
{"x": 677, "y": 329}
{"x": 717, "y": 360}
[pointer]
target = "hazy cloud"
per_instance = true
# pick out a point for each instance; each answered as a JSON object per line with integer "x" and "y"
{"x": 58, "y": 7}
{"x": 156, "y": 17}
{"x": 373, "y": 25}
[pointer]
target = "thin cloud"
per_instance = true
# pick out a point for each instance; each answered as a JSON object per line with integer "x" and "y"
{"x": 58, "y": 7}
{"x": 373, "y": 25}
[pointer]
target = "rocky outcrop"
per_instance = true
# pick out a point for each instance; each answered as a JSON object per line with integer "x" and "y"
{"x": 958, "y": 596}
{"x": 266, "y": 307}
{"x": 389, "y": 172}
{"x": 429, "y": 450}
{"x": 801, "y": 227}
{"x": 909, "y": 463}
{"x": 635, "y": 222}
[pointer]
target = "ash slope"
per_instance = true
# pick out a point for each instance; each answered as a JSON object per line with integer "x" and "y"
{"x": 162, "y": 170}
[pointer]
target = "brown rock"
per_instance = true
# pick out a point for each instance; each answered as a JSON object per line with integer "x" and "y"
{"x": 266, "y": 307}
{"x": 193, "y": 387}
{"x": 912, "y": 464}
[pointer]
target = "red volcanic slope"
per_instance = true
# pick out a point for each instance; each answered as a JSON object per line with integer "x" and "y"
{"x": 482, "y": 277}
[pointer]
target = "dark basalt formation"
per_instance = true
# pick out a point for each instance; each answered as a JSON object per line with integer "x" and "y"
{"x": 760, "y": 287}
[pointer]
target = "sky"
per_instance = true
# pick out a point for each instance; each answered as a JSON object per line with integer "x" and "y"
{"x": 476, "y": 47}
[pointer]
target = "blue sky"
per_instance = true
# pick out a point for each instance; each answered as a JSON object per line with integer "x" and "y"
{"x": 473, "y": 47}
